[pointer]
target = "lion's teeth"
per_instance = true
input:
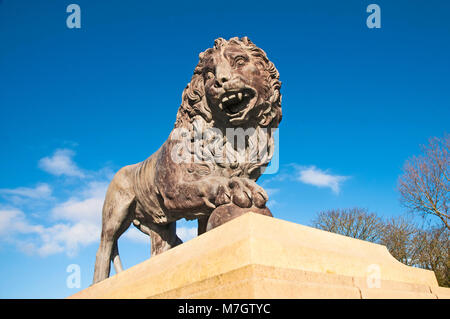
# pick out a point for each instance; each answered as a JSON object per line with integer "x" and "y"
{"x": 225, "y": 99}
{"x": 232, "y": 96}
{"x": 240, "y": 96}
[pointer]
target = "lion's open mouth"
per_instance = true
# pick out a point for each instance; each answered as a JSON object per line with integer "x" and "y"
{"x": 232, "y": 102}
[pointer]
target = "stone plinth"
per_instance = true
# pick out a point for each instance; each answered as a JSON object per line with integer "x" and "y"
{"x": 255, "y": 256}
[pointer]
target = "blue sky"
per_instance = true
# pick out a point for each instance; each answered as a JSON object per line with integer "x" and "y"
{"x": 78, "y": 104}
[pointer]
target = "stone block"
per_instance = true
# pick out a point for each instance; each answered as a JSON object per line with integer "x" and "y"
{"x": 255, "y": 256}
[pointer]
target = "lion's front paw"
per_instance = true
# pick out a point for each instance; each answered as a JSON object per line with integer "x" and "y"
{"x": 258, "y": 194}
{"x": 260, "y": 198}
{"x": 242, "y": 192}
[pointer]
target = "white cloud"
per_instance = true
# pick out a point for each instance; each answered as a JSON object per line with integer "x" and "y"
{"x": 271, "y": 203}
{"x": 68, "y": 225}
{"x": 81, "y": 226}
{"x": 96, "y": 188}
{"x": 67, "y": 238}
{"x": 136, "y": 235}
{"x": 85, "y": 208}
{"x": 61, "y": 163}
{"x": 314, "y": 176}
{"x": 40, "y": 191}
{"x": 14, "y": 221}
{"x": 64, "y": 226}
{"x": 186, "y": 233}
{"x": 88, "y": 209}
{"x": 271, "y": 191}
{"x": 8, "y": 218}
{"x": 58, "y": 238}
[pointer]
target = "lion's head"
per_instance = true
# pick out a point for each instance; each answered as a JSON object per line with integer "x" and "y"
{"x": 234, "y": 84}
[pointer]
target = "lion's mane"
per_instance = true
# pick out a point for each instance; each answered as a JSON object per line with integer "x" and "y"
{"x": 194, "y": 107}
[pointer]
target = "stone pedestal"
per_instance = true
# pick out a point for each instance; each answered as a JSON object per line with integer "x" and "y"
{"x": 255, "y": 256}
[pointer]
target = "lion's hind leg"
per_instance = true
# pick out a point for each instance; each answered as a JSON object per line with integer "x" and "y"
{"x": 115, "y": 258}
{"x": 117, "y": 217}
{"x": 163, "y": 237}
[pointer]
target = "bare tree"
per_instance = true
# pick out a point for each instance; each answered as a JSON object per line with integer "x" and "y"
{"x": 427, "y": 248}
{"x": 399, "y": 236}
{"x": 433, "y": 252}
{"x": 355, "y": 222}
{"x": 410, "y": 244}
{"x": 424, "y": 184}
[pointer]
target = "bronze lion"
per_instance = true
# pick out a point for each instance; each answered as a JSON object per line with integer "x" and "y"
{"x": 234, "y": 87}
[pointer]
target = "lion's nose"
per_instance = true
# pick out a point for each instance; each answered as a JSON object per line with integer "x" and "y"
{"x": 221, "y": 81}
{"x": 222, "y": 75}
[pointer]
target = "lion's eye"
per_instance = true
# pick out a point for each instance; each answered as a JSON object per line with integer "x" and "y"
{"x": 239, "y": 61}
{"x": 210, "y": 75}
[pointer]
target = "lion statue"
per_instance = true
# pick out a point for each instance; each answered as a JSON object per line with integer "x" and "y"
{"x": 202, "y": 171}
